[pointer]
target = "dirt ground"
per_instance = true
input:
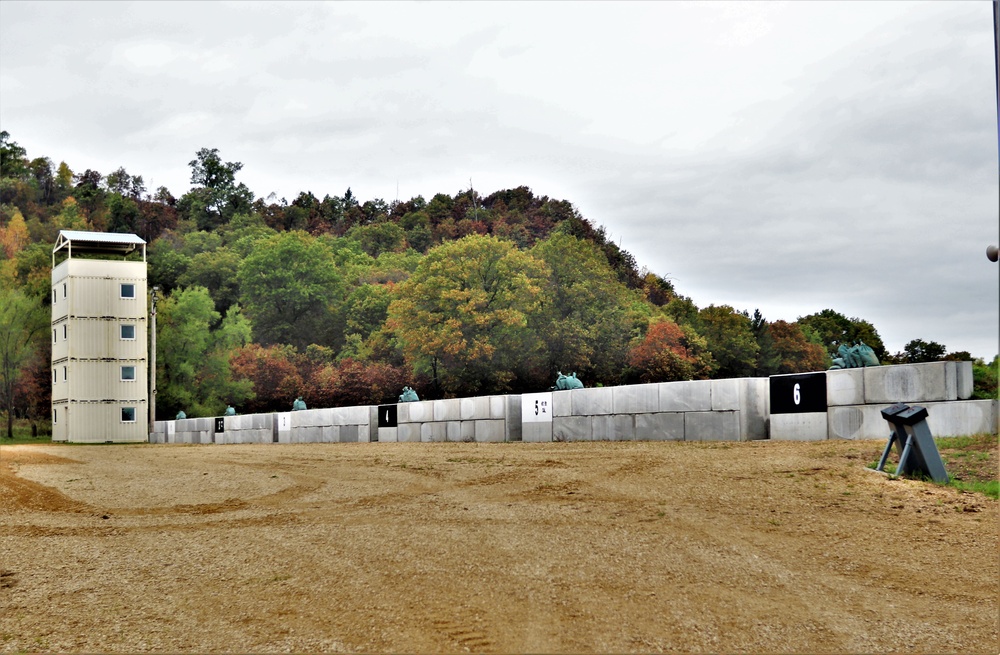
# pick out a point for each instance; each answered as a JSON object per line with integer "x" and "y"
{"x": 561, "y": 547}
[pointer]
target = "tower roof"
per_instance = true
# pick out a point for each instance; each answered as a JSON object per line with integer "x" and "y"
{"x": 97, "y": 242}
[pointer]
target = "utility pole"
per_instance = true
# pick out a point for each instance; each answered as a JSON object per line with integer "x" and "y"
{"x": 152, "y": 360}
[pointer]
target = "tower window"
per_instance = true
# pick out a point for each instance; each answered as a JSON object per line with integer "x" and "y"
{"x": 128, "y": 332}
{"x": 64, "y": 289}
{"x": 65, "y": 375}
{"x": 128, "y": 414}
{"x": 128, "y": 373}
{"x": 64, "y": 330}
{"x": 128, "y": 291}
{"x": 55, "y": 415}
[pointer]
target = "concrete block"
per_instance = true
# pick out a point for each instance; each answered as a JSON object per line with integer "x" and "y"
{"x": 490, "y": 430}
{"x": 498, "y": 407}
{"x": 205, "y": 424}
{"x": 624, "y": 426}
{"x": 603, "y": 428}
{"x": 659, "y": 427}
{"x": 910, "y": 383}
{"x": 754, "y": 407}
{"x": 325, "y": 416}
{"x": 417, "y": 412}
{"x": 434, "y": 432}
{"x": 448, "y": 410}
{"x": 349, "y": 415}
{"x": 811, "y": 426}
{"x": 513, "y": 416}
{"x": 591, "y": 402}
{"x": 387, "y": 434}
{"x": 408, "y": 432}
{"x": 474, "y": 408}
{"x": 263, "y": 421}
{"x": 453, "y": 431}
{"x": 562, "y": 403}
{"x": 329, "y": 434}
{"x": 365, "y": 433}
{"x": 536, "y": 432}
{"x": 963, "y": 384}
{"x": 572, "y": 428}
{"x": 960, "y": 418}
{"x": 688, "y": 396}
{"x": 845, "y": 387}
{"x": 857, "y": 422}
{"x": 468, "y": 431}
{"x": 636, "y": 399}
{"x": 712, "y": 426}
{"x": 311, "y": 434}
{"x": 726, "y": 394}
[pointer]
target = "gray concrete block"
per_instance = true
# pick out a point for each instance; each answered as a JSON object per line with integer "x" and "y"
{"x": 490, "y": 430}
{"x": 562, "y": 403}
{"x": 330, "y": 434}
{"x": 636, "y": 399}
{"x": 962, "y": 417}
{"x": 448, "y": 410}
{"x": 624, "y": 426}
{"x": 602, "y": 427}
{"x": 712, "y": 426}
{"x": 498, "y": 407}
{"x": 468, "y": 431}
{"x": 474, "y": 408}
{"x": 591, "y": 402}
{"x": 687, "y": 396}
{"x": 365, "y": 433}
{"x": 417, "y": 412}
{"x": 812, "y": 426}
{"x": 408, "y": 432}
{"x": 453, "y": 431}
{"x": 754, "y": 408}
{"x": 389, "y": 435}
{"x": 513, "y": 412}
{"x": 311, "y": 434}
{"x": 857, "y": 422}
{"x": 434, "y": 432}
{"x": 910, "y": 383}
{"x": 572, "y": 428}
{"x": 964, "y": 382}
{"x": 536, "y": 432}
{"x": 726, "y": 394}
{"x": 659, "y": 427}
{"x": 845, "y": 387}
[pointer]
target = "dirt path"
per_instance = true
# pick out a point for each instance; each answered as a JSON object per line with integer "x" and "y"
{"x": 587, "y": 547}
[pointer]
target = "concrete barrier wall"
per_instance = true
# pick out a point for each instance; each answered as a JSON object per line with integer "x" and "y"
{"x": 700, "y": 410}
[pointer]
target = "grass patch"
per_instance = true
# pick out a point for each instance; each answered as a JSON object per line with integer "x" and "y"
{"x": 22, "y": 432}
{"x": 971, "y": 461}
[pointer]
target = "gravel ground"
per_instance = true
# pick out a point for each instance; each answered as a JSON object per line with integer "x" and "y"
{"x": 562, "y": 547}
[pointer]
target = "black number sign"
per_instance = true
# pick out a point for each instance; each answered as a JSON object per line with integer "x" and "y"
{"x": 387, "y": 416}
{"x": 220, "y": 425}
{"x": 798, "y": 394}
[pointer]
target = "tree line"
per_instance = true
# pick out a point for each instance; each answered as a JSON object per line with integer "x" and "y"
{"x": 344, "y": 302}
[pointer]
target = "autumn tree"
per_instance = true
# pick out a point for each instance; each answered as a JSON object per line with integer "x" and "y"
{"x": 794, "y": 351}
{"x": 216, "y": 196}
{"x": 274, "y": 373}
{"x": 670, "y": 352}
{"x": 462, "y": 317}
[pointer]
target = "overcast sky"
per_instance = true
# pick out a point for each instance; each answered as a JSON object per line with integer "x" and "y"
{"x": 790, "y": 157}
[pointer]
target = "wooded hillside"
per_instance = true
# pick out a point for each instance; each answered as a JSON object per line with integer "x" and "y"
{"x": 344, "y": 302}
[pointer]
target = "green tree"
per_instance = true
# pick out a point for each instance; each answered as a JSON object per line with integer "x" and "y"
{"x": 835, "y": 329}
{"x": 22, "y": 319}
{"x": 918, "y": 351}
{"x": 462, "y": 317}
{"x": 217, "y": 196}
{"x": 193, "y": 371}
{"x": 376, "y": 238}
{"x": 730, "y": 338}
{"x": 584, "y": 320}
{"x": 218, "y": 271}
{"x": 291, "y": 290}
